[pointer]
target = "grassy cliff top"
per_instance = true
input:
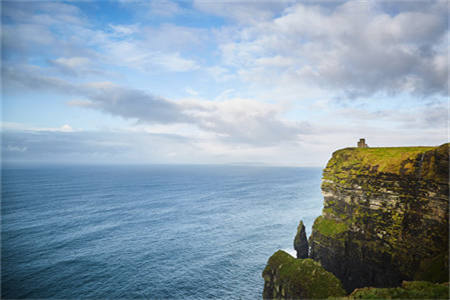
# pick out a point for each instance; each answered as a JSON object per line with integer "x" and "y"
{"x": 395, "y": 160}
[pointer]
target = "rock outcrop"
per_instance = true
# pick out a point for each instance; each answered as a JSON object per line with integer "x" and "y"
{"x": 385, "y": 216}
{"x": 301, "y": 242}
{"x": 286, "y": 277}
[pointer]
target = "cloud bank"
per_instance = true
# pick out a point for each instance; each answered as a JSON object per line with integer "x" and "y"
{"x": 275, "y": 82}
{"x": 355, "y": 49}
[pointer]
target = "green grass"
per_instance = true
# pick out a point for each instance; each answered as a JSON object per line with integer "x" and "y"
{"x": 408, "y": 290}
{"x": 395, "y": 160}
{"x": 389, "y": 159}
{"x": 302, "y": 278}
{"x": 329, "y": 227}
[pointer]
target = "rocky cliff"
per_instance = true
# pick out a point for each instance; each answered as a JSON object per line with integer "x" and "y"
{"x": 384, "y": 223}
{"x": 385, "y": 216}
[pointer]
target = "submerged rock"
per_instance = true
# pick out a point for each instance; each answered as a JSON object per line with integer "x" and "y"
{"x": 286, "y": 277}
{"x": 301, "y": 242}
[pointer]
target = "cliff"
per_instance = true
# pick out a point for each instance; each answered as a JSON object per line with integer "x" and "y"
{"x": 385, "y": 216}
{"x": 383, "y": 224}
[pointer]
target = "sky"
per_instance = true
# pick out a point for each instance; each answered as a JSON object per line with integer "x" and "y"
{"x": 220, "y": 82}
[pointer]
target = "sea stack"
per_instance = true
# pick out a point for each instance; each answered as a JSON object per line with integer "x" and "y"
{"x": 301, "y": 242}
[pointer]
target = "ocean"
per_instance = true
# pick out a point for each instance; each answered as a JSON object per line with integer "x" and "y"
{"x": 165, "y": 232}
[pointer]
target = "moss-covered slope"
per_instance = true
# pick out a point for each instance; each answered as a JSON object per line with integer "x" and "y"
{"x": 385, "y": 216}
{"x": 286, "y": 277}
{"x": 408, "y": 290}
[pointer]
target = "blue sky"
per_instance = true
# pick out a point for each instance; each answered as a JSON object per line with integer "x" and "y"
{"x": 273, "y": 82}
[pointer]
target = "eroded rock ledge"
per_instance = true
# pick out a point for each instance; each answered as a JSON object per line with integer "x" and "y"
{"x": 385, "y": 216}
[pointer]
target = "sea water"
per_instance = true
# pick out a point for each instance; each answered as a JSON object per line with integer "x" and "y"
{"x": 178, "y": 232}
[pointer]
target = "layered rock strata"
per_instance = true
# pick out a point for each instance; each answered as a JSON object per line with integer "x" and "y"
{"x": 385, "y": 216}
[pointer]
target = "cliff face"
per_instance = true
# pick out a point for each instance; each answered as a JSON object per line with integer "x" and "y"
{"x": 385, "y": 216}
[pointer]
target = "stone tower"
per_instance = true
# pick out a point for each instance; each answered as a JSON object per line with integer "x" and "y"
{"x": 362, "y": 143}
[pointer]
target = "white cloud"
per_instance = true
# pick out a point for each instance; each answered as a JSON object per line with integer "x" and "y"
{"x": 173, "y": 62}
{"x": 220, "y": 74}
{"x": 11, "y": 148}
{"x": 130, "y": 54}
{"x": 77, "y": 66}
{"x": 124, "y": 30}
{"x": 66, "y": 128}
{"x": 226, "y": 94}
{"x": 249, "y": 11}
{"x": 63, "y": 128}
{"x": 72, "y": 62}
{"x": 164, "y": 8}
{"x": 353, "y": 48}
{"x": 191, "y": 91}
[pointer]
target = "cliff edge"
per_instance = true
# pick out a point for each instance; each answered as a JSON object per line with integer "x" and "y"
{"x": 384, "y": 224}
{"x": 385, "y": 216}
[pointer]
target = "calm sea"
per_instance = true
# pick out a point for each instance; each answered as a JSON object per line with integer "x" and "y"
{"x": 148, "y": 232}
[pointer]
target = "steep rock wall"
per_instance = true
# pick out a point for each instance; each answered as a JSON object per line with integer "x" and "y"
{"x": 385, "y": 216}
